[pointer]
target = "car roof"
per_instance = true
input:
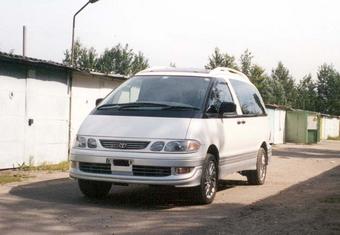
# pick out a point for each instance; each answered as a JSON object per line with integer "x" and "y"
{"x": 220, "y": 72}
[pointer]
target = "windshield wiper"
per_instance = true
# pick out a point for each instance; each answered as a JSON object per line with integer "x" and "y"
{"x": 163, "y": 106}
{"x": 132, "y": 105}
{"x": 180, "y": 107}
{"x": 108, "y": 106}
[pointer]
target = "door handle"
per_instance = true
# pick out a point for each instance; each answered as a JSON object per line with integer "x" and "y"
{"x": 30, "y": 121}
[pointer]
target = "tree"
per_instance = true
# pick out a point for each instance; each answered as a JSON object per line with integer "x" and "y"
{"x": 83, "y": 57}
{"x": 246, "y": 62}
{"x": 119, "y": 59}
{"x": 306, "y": 94}
{"x": 139, "y": 63}
{"x": 328, "y": 90}
{"x": 286, "y": 91}
{"x": 218, "y": 59}
{"x": 263, "y": 83}
{"x": 172, "y": 64}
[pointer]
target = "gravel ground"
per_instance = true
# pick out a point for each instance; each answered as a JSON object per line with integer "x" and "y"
{"x": 301, "y": 196}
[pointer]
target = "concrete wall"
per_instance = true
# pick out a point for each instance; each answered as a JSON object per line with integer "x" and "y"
{"x": 40, "y": 94}
{"x": 47, "y": 102}
{"x": 12, "y": 114}
{"x": 329, "y": 127}
{"x": 277, "y": 119}
{"x": 86, "y": 89}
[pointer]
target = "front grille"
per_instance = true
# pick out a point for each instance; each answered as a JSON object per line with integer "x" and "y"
{"x": 98, "y": 168}
{"x": 123, "y": 144}
{"x": 151, "y": 171}
{"x": 103, "y": 168}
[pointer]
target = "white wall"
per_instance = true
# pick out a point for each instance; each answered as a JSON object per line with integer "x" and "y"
{"x": 86, "y": 89}
{"x": 331, "y": 127}
{"x": 47, "y": 103}
{"x": 42, "y": 94}
{"x": 277, "y": 119}
{"x": 36, "y": 93}
{"x": 12, "y": 115}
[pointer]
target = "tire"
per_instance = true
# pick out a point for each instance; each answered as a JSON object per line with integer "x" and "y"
{"x": 94, "y": 189}
{"x": 258, "y": 176}
{"x": 206, "y": 191}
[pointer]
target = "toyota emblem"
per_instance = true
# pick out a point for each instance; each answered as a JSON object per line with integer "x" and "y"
{"x": 122, "y": 145}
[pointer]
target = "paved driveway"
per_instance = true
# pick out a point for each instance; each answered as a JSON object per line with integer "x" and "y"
{"x": 301, "y": 195}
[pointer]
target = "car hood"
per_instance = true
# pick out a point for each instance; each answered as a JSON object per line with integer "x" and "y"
{"x": 135, "y": 127}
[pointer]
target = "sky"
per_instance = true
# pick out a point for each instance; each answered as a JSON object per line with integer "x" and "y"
{"x": 303, "y": 34}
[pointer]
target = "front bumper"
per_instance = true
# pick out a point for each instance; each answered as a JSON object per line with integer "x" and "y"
{"x": 193, "y": 160}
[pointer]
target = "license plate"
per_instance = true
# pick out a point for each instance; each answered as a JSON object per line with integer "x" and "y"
{"x": 120, "y": 165}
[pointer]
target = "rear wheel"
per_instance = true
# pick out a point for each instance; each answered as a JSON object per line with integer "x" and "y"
{"x": 207, "y": 190}
{"x": 258, "y": 176}
{"x": 94, "y": 189}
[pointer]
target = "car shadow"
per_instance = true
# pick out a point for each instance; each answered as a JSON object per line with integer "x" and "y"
{"x": 136, "y": 197}
{"x": 305, "y": 153}
{"x": 308, "y": 207}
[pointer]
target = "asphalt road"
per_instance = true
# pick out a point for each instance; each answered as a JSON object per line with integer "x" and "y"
{"x": 301, "y": 195}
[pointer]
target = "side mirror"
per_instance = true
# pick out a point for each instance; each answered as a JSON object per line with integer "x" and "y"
{"x": 227, "y": 107}
{"x": 98, "y": 101}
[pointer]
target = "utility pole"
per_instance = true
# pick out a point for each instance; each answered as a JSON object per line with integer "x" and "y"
{"x": 24, "y": 40}
{"x": 73, "y": 27}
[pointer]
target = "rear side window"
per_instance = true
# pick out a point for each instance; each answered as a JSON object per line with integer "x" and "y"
{"x": 248, "y": 97}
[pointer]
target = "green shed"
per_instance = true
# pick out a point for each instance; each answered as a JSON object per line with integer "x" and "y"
{"x": 302, "y": 127}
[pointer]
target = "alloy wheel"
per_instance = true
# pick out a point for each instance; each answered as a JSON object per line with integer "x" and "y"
{"x": 210, "y": 180}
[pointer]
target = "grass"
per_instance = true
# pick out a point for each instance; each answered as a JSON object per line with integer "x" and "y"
{"x": 333, "y": 199}
{"x": 334, "y": 138}
{"x": 12, "y": 176}
{"x": 21, "y": 173}
{"x": 62, "y": 166}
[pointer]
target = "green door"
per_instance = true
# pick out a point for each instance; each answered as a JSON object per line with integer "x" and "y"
{"x": 312, "y": 136}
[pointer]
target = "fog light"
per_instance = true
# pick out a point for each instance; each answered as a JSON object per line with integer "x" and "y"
{"x": 182, "y": 170}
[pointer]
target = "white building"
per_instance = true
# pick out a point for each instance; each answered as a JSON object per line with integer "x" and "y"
{"x": 42, "y": 104}
{"x": 277, "y": 122}
{"x": 329, "y": 127}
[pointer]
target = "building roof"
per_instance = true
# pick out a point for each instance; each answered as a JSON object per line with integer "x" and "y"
{"x": 34, "y": 61}
{"x": 277, "y": 106}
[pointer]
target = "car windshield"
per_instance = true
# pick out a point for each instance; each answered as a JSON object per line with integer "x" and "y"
{"x": 158, "y": 92}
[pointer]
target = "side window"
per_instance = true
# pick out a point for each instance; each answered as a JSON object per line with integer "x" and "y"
{"x": 248, "y": 97}
{"x": 220, "y": 93}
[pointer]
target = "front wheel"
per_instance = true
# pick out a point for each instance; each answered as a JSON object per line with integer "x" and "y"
{"x": 94, "y": 189}
{"x": 207, "y": 190}
{"x": 258, "y": 176}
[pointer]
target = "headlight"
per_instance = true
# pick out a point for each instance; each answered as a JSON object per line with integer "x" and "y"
{"x": 92, "y": 143}
{"x": 80, "y": 142}
{"x": 157, "y": 146}
{"x": 182, "y": 146}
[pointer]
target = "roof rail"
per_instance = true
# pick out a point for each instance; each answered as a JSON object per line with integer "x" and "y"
{"x": 228, "y": 70}
{"x": 173, "y": 69}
